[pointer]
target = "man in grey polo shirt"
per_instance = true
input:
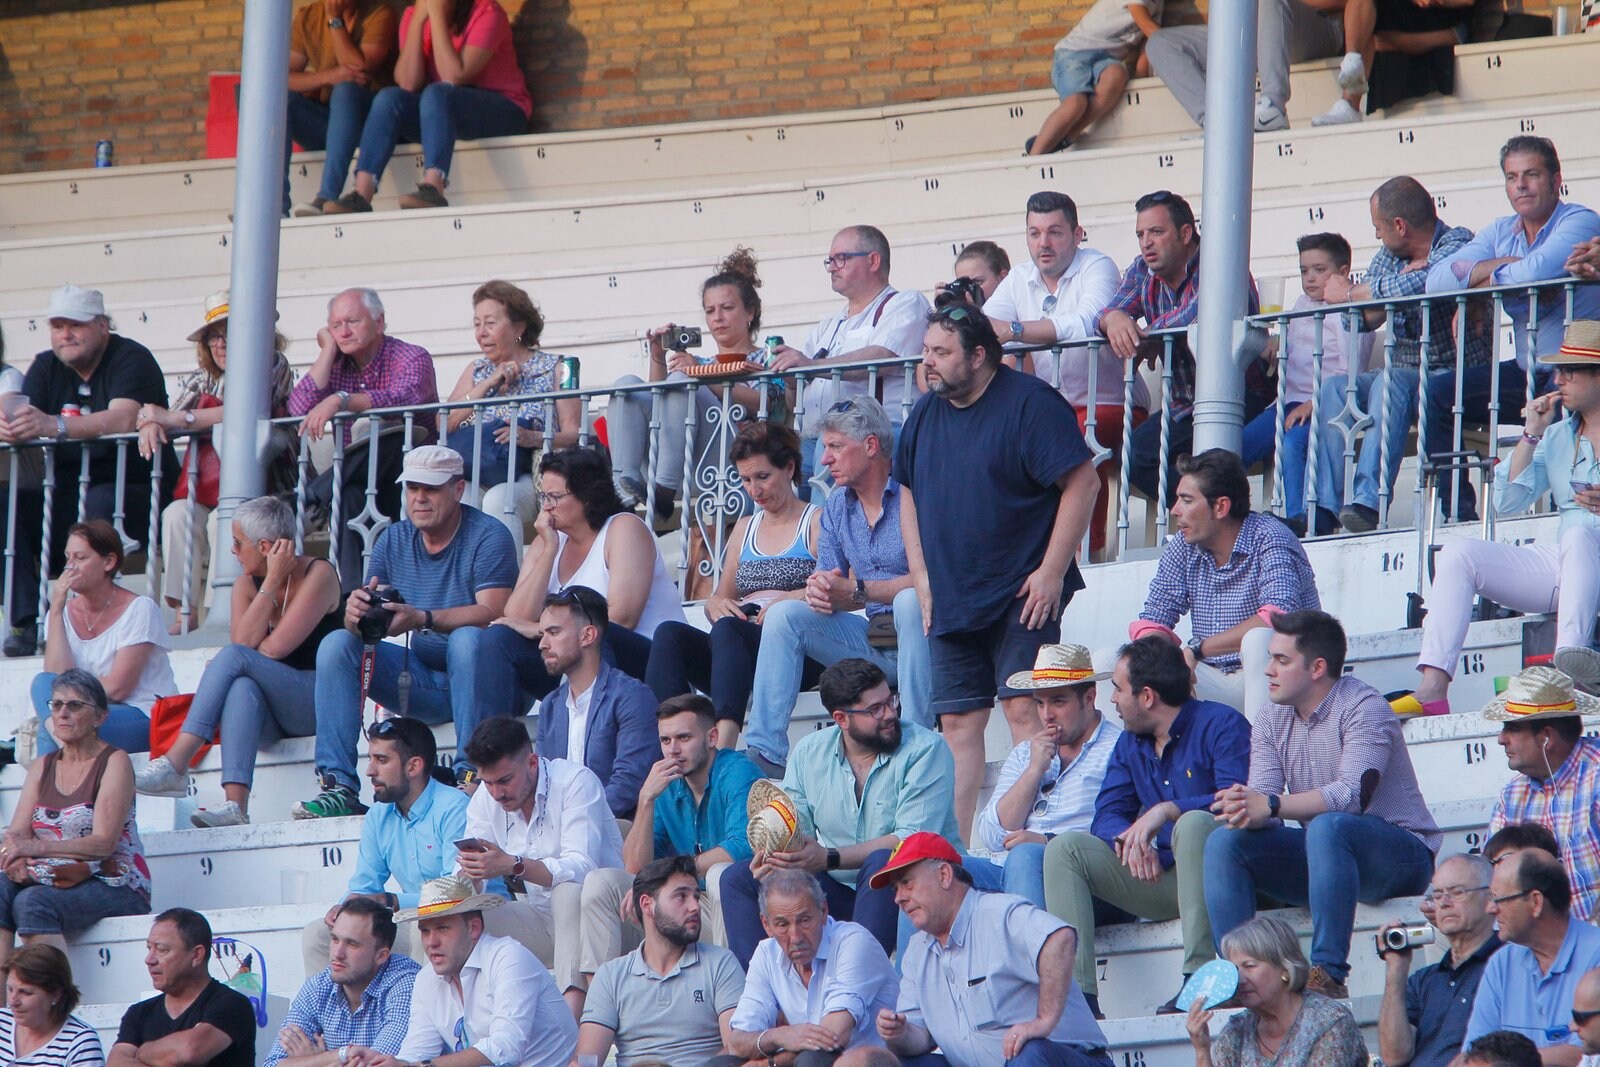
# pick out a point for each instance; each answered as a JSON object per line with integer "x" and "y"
{"x": 1010, "y": 962}
{"x": 670, "y": 1000}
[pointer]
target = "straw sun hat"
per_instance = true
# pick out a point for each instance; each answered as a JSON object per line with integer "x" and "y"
{"x": 1540, "y": 693}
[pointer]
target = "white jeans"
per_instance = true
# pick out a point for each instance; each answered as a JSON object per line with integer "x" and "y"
{"x": 1246, "y": 688}
{"x": 1564, "y": 579}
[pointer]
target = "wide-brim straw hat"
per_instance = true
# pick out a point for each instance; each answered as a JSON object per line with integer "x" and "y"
{"x": 450, "y": 895}
{"x": 216, "y": 311}
{"x": 1055, "y": 666}
{"x": 774, "y": 817}
{"x": 1580, "y": 346}
{"x": 1540, "y": 693}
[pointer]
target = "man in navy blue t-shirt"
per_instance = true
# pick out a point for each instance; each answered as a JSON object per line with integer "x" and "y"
{"x": 997, "y": 492}
{"x": 454, "y": 566}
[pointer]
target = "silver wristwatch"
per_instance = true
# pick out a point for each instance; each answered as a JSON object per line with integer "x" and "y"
{"x": 337, "y": 23}
{"x": 61, "y": 428}
{"x": 344, "y": 400}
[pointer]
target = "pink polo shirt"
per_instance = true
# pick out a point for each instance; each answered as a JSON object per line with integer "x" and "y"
{"x": 487, "y": 27}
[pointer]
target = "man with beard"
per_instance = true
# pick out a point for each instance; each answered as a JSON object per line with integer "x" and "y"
{"x": 360, "y": 1004}
{"x": 997, "y": 488}
{"x": 671, "y": 999}
{"x": 858, "y": 789}
{"x": 597, "y": 716}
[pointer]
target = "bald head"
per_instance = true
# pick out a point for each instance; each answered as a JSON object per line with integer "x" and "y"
{"x": 1586, "y": 1002}
{"x": 868, "y": 1056}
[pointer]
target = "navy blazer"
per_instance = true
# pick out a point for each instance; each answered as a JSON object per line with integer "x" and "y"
{"x": 621, "y": 742}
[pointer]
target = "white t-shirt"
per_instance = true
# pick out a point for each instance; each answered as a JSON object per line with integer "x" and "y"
{"x": 893, "y": 320}
{"x": 139, "y": 624}
{"x": 11, "y": 380}
{"x": 1107, "y": 27}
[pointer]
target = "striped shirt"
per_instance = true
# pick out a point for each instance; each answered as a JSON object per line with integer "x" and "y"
{"x": 1352, "y": 736}
{"x": 379, "y": 1023}
{"x": 75, "y": 1045}
{"x": 1568, "y": 805}
{"x": 1067, "y": 793}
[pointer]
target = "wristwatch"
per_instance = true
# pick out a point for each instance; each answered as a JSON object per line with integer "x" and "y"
{"x": 1016, "y": 331}
{"x": 344, "y": 1053}
{"x": 344, "y": 400}
{"x": 860, "y": 595}
{"x": 833, "y": 859}
{"x": 427, "y": 619}
{"x": 1193, "y": 645}
{"x": 1273, "y": 803}
{"x": 188, "y": 418}
{"x": 61, "y": 428}
{"x": 336, "y": 23}
{"x": 518, "y": 867}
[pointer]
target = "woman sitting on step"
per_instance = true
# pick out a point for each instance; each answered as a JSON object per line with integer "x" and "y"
{"x": 259, "y": 688}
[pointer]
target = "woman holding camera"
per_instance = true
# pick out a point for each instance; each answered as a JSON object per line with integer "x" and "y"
{"x": 261, "y": 687}
{"x": 733, "y": 317}
{"x": 1283, "y": 1024}
{"x": 770, "y": 555}
{"x": 37, "y": 1026}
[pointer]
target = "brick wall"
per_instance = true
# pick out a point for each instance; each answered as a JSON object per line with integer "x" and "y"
{"x": 75, "y": 71}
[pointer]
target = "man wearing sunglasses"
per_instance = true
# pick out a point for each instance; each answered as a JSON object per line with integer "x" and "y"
{"x": 1586, "y": 1017}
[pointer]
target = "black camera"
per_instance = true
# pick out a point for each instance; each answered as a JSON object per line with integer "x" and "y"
{"x": 960, "y": 291}
{"x": 374, "y": 624}
{"x": 683, "y": 338}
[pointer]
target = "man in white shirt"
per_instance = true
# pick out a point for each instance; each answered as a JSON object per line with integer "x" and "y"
{"x": 1058, "y": 296}
{"x": 543, "y": 825}
{"x": 815, "y": 985}
{"x": 487, "y": 1000}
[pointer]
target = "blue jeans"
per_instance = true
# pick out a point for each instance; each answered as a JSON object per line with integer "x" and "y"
{"x": 39, "y": 909}
{"x": 438, "y": 692}
{"x": 1440, "y": 413}
{"x": 126, "y": 727}
{"x": 1401, "y": 412}
{"x": 438, "y": 116}
{"x": 793, "y": 633}
{"x": 334, "y": 127}
{"x": 1337, "y": 860}
{"x": 1260, "y": 438}
{"x": 1022, "y": 873}
{"x": 255, "y": 699}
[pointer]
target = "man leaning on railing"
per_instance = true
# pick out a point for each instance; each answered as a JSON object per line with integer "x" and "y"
{"x": 89, "y": 384}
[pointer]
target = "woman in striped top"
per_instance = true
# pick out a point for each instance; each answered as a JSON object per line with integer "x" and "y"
{"x": 37, "y": 1027}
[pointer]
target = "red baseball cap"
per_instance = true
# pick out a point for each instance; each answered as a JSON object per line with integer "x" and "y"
{"x": 922, "y": 845}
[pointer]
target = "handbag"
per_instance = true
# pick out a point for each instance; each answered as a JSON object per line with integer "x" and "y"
{"x": 881, "y": 632}
{"x": 202, "y": 450}
{"x": 166, "y": 722}
{"x": 55, "y": 874}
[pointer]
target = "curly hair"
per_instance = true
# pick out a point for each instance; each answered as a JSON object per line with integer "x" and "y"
{"x": 588, "y": 476}
{"x": 738, "y": 269}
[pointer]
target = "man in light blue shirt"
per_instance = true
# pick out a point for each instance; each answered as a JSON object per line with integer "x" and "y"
{"x": 1528, "y": 986}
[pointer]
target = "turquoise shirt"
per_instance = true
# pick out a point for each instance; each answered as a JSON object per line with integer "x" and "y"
{"x": 415, "y": 847}
{"x": 909, "y": 789}
{"x": 720, "y": 821}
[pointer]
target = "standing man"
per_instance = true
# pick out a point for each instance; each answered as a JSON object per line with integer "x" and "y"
{"x": 1231, "y": 571}
{"x": 1327, "y": 752}
{"x": 193, "y": 1020}
{"x": 359, "y": 1004}
{"x": 91, "y": 382}
{"x": 671, "y": 999}
{"x": 1029, "y": 1012}
{"x": 340, "y": 55}
{"x": 359, "y": 367}
{"x": 598, "y": 716}
{"x": 1048, "y": 784}
{"x": 1145, "y": 852}
{"x": 995, "y": 562}
{"x": 861, "y": 566}
{"x": 1058, "y": 296}
{"x": 1423, "y": 1019}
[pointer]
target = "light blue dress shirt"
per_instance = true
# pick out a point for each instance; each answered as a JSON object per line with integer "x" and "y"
{"x": 415, "y": 847}
{"x": 1561, "y": 457}
{"x": 850, "y": 973}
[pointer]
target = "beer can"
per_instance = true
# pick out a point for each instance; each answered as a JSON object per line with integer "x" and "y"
{"x": 70, "y": 411}
{"x": 567, "y": 375}
{"x": 103, "y": 153}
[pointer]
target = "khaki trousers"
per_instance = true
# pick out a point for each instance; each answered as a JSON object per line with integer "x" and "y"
{"x": 605, "y": 936}
{"x": 1079, "y": 867}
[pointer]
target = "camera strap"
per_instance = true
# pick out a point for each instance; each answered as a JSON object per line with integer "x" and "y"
{"x": 369, "y": 663}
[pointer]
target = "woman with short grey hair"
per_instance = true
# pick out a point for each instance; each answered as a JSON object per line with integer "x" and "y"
{"x": 1284, "y": 1024}
{"x": 261, "y": 687}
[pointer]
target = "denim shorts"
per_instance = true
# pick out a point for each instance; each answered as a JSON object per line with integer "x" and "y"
{"x": 970, "y": 668}
{"x": 1077, "y": 72}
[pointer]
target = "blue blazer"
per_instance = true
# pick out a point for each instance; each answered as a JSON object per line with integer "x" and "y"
{"x": 621, "y": 743}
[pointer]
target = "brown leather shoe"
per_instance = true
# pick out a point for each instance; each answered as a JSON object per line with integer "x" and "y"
{"x": 351, "y": 203}
{"x": 1322, "y": 982}
{"x": 426, "y": 196}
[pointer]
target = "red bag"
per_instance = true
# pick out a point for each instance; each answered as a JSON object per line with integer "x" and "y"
{"x": 166, "y": 723}
{"x": 210, "y": 483}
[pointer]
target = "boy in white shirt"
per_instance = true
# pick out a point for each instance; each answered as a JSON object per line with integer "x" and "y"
{"x": 1090, "y": 68}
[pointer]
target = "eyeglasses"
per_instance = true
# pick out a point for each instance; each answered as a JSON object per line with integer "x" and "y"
{"x": 1509, "y": 897}
{"x": 877, "y": 711}
{"x": 73, "y": 706}
{"x": 546, "y": 499}
{"x": 1050, "y": 303}
{"x": 1042, "y": 805}
{"x": 842, "y": 406}
{"x": 571, "y": 598}
{"x": 1582, "y": 1018}
{"x": 839, "y": 259}
{"x": 381, "y": 728}
{"x": 1160, "y": 196}
{"x": 953, "y": 313}
{"x": 216, "y": 337}
{"x": 1455, "y": 894}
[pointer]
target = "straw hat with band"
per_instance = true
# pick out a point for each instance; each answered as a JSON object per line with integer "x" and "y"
{"x": 774, "y": 817}
{"x": 1540, "y": 693}
{"x": 450, "y": 895}
{"x": 1580, "y": 346}
{"x": 1055, "y": 666}
{"x": 217, "y": 307}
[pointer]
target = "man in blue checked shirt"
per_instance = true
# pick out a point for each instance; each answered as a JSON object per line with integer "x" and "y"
{"x": 360, "y": 1004}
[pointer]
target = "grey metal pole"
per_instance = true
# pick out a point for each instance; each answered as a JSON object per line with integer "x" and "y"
{"x": 1225, "y": 204}
{"x": 252, "y": 315}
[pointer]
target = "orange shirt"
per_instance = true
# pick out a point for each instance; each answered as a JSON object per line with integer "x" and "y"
{"x": 312, "y": 38}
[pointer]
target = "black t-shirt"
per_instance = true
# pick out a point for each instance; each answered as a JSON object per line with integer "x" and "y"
{"x": 226, "y": 1009}
{"x": 984, "y": 480}
{"x": 126, "y": 370}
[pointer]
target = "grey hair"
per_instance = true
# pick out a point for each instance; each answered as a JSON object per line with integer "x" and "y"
{"x": 1272, "y": 941}
{"x": 369, "y": 299}
{"x": 792, "y": 884}
{"x": 83, "y": 683}
{"x": 864, "y": 418}
{"x": 1475, "y": 863}
{"x": 266, "y": 518}
{"x": 872, "y": 239}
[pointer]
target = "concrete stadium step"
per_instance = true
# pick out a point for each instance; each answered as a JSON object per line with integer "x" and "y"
{"x": 688, "y": 156}
{"x": 267, "y": 863}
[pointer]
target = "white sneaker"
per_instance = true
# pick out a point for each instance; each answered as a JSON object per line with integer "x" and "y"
{"x": 159, "y": 778}
{"x": 1353, "y": 73}
{"x": 1269, "y": 116}
{"x": 307, "y": 211}
{"x": 227, "y": 814}
{"x": 1340, "y": 114}
{"x": 1582, "y": 664}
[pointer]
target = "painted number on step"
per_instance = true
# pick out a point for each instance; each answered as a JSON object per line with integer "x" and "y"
{"x": 332, "y": 855}
{"x": 1133, "y": 99}
{"x": 930, "y": 185}
{"x": 1477, "y": 752}
{"x": 225, "y": 949}
{"x": 1285, "y": 150}
{"x": 539, "y": 152}
{"x": 1474, "y": 839}
{"x": 1526, "y": 126}
{"x": 783, "y": 134}
{"x": 1164, "y": 160}
{"x": 1015, "y": 111}
{"x": 821, "y": 195}
{"x": 1440, "y": 203}
{"x": 1406, "y": 136}
{"x": 1472, "y": 663}
{"x": 899, "y": 124}
{"x": 72, "y": 188}
{"x": 1492, "y": 62}
{"x": 1394, "y": 562}
{"x": 104, "y": 956}
{"x": 206, "y": 866}
{"x": 1135, "y": 1058}
{"x": 1047, "y": 172}
{"x": 188, "y": 179}
{"x": 1314, "y": 214}
{"x": 1101, "y": 966}
{"x": 697, "y": 207}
